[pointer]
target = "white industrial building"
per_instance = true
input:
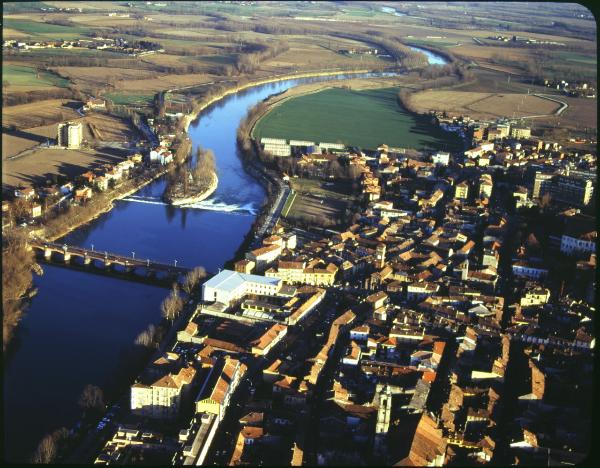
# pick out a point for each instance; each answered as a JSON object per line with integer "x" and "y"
{"x": 228, "y": 286}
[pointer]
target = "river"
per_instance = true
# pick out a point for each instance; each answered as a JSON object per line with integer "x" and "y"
{"x": 76, "y": 327}
{"x": 432, "y": 57}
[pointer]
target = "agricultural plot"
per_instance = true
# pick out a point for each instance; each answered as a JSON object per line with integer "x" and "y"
{"x": 364, "y": 118}
{"x": 40, "y": 30}
{"x": 25, "y": 78}
{"x": 41, "y": 164}
{"x": 482, "y": 105}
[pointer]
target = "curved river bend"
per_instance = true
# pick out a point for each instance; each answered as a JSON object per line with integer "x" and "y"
{"x": 79, "y": 324}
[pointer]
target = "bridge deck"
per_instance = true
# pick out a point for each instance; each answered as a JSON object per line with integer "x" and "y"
{"x": 109, "y": 257}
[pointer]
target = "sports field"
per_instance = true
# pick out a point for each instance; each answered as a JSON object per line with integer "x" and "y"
{"x": 130, "y": 99}
{"x": 365, "y": 119}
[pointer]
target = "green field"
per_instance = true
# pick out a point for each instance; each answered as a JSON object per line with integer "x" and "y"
{"x": 128, "y": 99}
{"x": 19, "y": 75}
{"x": 45, "y": 30}
{"x": 578, "y": 58}
{"x": 76, "y": 51}
{"x": 356, "y": 118}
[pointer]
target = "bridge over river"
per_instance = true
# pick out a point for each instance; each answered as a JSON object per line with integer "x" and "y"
{"x": 108, "y": 259}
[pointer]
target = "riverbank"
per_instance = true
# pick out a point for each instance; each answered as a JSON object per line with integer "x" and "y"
{"x": 214, "y": 183}
{"x": 188, "y": 119}
{"x": 104, "y": 206}
{"x": 107, "y": 205}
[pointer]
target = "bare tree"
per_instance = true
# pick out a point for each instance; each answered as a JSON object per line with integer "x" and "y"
{"x": 50, "y": 446}
{"x": 147, "y": 337}
{"x": 192, "y": 279}
{"x": 46, "y": 451}
{"x": 171, "y": 307}
{"x": 91, "y": 398}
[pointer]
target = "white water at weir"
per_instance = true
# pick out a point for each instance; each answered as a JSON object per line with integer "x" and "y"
{"x": 209, "y": 205}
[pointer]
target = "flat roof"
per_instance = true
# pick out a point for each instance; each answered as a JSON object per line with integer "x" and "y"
{"x": 230, "y": 280}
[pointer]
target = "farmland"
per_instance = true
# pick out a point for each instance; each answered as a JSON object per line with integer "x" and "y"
{"x": 26, "y": 78}
{"x": 41, "y": 164}
{"x": 365, "y": 118}
{"x": 483, "y": 105}
{"x": 203, "y": 42}
{"x": 40, "y": 30}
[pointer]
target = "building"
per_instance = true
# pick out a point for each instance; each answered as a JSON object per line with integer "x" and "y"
{"x": 216, "y": 393}
{"x": 228, "y": 286}
{"x": 70, "y": 135}
{"x": 461, "y": 191}
{"x": 485, "y": 186}
{"x": 520, "y": 131}
{"x": 567, "y": 189}
{"x": 95, "y": 103}
{"x": 276, "y": 146}
{"x": 440, "y": 158}
{"x": 264, "y": 256}
{"x": 535, "y": 296}
{"x": 579, "y": 238}
{"x": 161, "y": 155}
{"x": 529, "y": 270}
{"x": 161, "y": 399}
{"x": 299, "y": 273}
{"x": 270, "y": 338}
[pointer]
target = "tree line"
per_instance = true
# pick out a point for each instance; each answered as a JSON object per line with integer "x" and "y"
{"x": 18, "y": 262}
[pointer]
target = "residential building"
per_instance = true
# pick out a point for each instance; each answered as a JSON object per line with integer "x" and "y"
{"x": 461, "y": 191}
{"x": 264, "y": 256}
{"x": 299, "y": 273}
{"x": 441, "y": 158}
{"x": 485, "y": 186}
{"x": 520, "y": 132}
{"x": 571, "y": 190}
{"x": 216, "y": 393}
{"x": 70, "y": 135}
{"x": 161, "y": 398}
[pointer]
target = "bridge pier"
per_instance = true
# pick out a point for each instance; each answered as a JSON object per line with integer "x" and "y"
{"x": 87, "y": 259}
{"x": 107, "y": 263}
{"x": 67, "y": 257}
{"x": 47, "y": 254}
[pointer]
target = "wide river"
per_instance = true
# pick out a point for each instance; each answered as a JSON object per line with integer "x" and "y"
{"x": 79, "y": 324}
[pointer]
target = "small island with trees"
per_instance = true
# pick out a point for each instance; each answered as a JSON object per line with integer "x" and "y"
{"x": 186, "y": 185}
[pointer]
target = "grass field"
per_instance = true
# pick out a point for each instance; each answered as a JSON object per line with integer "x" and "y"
{"x": 365, "y": 119}
{"x": 130, "y": 99}
{"x": 45, "y": 30}
{"x": 316, "y": 201}
{"x": 24, "y": 78}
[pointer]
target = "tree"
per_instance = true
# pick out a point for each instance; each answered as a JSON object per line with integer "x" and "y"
{"x": 147, "y": 337}
{"x": 192, "y": 279}
{"x": 545, "y": 202}
{"x": 51, "y": 446}
{"x": 91, "y": 398}
{"x": 172, "y": 305}
{"x": 46, "y": 451}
